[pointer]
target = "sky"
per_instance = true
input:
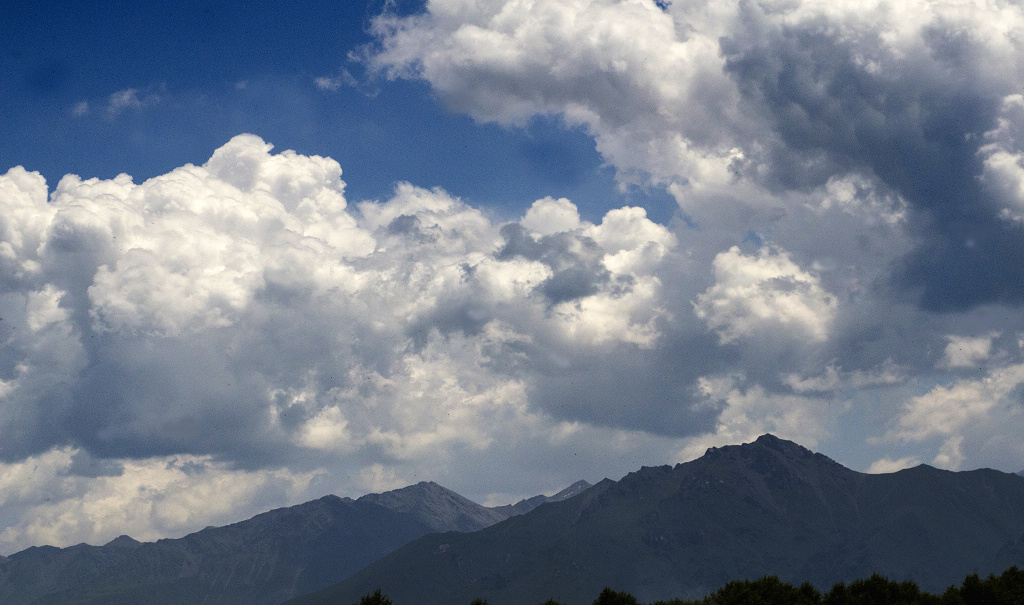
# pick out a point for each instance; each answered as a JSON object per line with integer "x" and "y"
{"x": 253, "y": 255}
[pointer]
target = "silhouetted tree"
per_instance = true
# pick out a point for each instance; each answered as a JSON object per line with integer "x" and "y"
{"x": 377, "y": 598}
{"x": 610, "y": 597}
{"x": 1009, "y": 586}
{"x": 768, "y": 590}
{"x": 1004, "y": 589}
{"x": 878, "y": 589}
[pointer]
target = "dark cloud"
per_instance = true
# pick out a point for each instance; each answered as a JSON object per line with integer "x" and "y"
{"x": 84, "y": 465}
{"x": 467, "y": 316}
{"x": 653, "y": 391}
{"x": 575, "y": 261}
{"x": 403, "y": 225}
{"x": 916, "y": 122}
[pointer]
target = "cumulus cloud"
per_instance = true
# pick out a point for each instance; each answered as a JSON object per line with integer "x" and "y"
{"x": 548, "y": 216}
{"x": 613, "y": 67}
{"x": 848, "y": 249}
{"x": 1003, "y": 158}
{"x": 895, "y": 110}
{"x": 764, "y": 292}
{"x": 63, "y": 500}
{"x": 849, "y": 175}
{"x": 974, "y": 414}
{"x": 242, "y": 313}
{"x": 946, "y": 410}
{"x": 748, "y": 411}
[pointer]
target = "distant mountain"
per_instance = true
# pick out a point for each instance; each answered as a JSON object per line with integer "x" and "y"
{"x": 265, "y": 560}
{"x": 525, "y": 506}
{"x": 767, "y": 507}
{"x": 438, "y": 508}
{"x": 40, "y": 570}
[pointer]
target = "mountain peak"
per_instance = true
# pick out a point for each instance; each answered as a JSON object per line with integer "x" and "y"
{"x": 123, "y": 541}
{"x": 778, "y": 461}
{"x": 576, "y": 488}
{"x": 768, "y": 438}
{"x": 782, "y": 445}
{"x": 787, "y": 448}
{"x": 405, "y": 499}
{"x": 437, "y": 506}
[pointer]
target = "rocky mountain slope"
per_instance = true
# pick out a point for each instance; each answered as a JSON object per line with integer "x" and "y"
{"x": 264, "y": 560}
{"x": 767, "y": 507}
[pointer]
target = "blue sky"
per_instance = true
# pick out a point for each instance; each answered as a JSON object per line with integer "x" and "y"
{"x": 253, "y": 255}
{"x": 204, "y": 72}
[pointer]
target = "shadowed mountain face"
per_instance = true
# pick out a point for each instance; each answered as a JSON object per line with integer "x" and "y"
{"x": 525, "y": 506}
{"x": 264, "y": 560}
{"x": 40, "y": 570}
{"x": 444, "y": 510}
{"x": 768, "y": 507}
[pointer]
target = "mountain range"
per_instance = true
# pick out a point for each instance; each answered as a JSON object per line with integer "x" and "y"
{"x": 264, "y": 560}
{"x": 770, "y": 507}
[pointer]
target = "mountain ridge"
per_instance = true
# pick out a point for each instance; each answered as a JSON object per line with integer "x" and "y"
{"x": 770, "y": 507}
{"x": 265, "y": 559}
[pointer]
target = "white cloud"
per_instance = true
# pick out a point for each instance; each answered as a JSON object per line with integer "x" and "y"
{"x": 325, "y": 83}
{"x": 548, "y": 215}
{"x": 147, "y": 499}
{"x": 129, "y": 98}
{"x": 25, "y": 215}
{"x": 968, "y": 351}
{"x": 333, "y": 83}
{"x": 887, "y": 465}
{"x": 764, "y": 292}
{"x": 947, "y": 410}
{"x": 971, "y": 417}
{"x": 241, "y": 310}
{"x": 629, "y": 229}
{"x": 834, "y": 378}
{"x": 664, "y": 92}
{"x": 950, "y": 455}
{"x": 749, "y": 411}
{"x": 1003, "y": 157}
{"x": 621, "y": 69}
{"x": 752, "y": 113}
{"x": 857, "y": 194}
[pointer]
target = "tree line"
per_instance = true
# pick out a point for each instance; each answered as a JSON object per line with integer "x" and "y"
{"x": 1004, "y": 589}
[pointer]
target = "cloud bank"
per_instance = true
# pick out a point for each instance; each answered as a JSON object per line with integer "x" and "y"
{"x": 917, "y": 102}
{"x": 844, "y": 270}
{"x": 240, "y": 313}
{"x": 849, "y": 171}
